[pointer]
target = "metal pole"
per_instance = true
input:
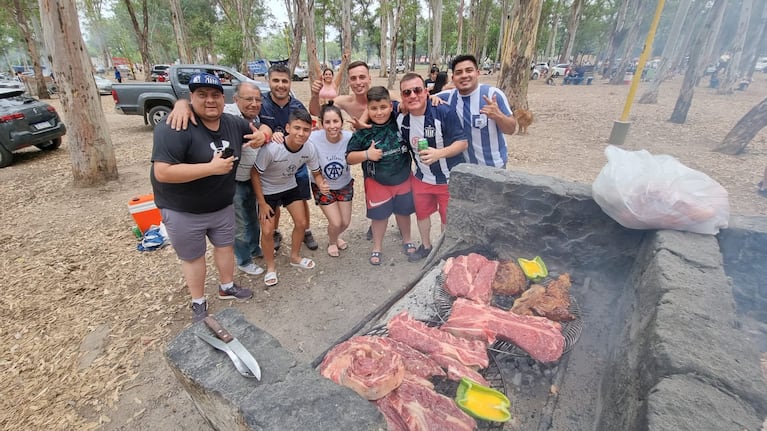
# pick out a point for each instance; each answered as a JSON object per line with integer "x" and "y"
{"x": 621, "y": 127}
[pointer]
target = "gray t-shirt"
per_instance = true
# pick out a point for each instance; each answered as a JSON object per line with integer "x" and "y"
{"x": 278, "y": 165}
{"x": 248, "y": 157}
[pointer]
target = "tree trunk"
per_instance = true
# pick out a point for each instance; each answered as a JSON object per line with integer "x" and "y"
{"x": 630, "y": 43}
{"x": 670, "y": 51}
{"x": 314, "y": 69}
{"x": 618, "y": 35}
{"x": 733, "y": 73}
{"x": 384, "y": 16}
{"x": 298, "y": 33}
{"x": 90, "y": 147}
{"x": 435, "y": 55}
{"x": 745, "y": 130}
{"x": 461, "y": 5}
{"x": 179, "y": 29}
{"x": 501, "y": 31}
{"x": 394, "y": 21}
{"x": 142, "y": 34}
{"x": 755, "y": 45}
{"x": 551, "y": 45}
{"x": 705, "y": 36}
{"x": 572, "y": 28}
{"x": 519, "y": 43}
{"x": 346, "y": 36}
{"x": 23, "y": 21}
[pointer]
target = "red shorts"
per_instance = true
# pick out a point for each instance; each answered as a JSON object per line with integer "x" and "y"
{"x": 429, "y": 198}
{"x": 382, "y": 201}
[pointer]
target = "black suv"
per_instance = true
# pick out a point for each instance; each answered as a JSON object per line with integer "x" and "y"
{"x": 157, "y": 70}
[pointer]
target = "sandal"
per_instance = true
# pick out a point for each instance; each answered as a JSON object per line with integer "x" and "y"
{"x": 341, "y": 244}
{"x": 409, "y": 248}
{"x": 376, "y": 258}
{"x": 270, "y": 279}
{"x": 304, "y": 263}
{"x": 333, "y": 250}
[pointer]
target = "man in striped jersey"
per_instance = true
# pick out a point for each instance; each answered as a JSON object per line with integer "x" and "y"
{"x": 445, "y": 143}
{"x": 483, "y": 111}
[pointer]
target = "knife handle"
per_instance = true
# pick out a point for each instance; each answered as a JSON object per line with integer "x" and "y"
{"x": 218, "y": 329}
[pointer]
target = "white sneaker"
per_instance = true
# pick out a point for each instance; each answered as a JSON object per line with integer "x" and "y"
{"x": 251, "y": 269}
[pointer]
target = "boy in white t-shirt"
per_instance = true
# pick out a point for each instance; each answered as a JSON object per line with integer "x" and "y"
{"x": 275, "y": 185}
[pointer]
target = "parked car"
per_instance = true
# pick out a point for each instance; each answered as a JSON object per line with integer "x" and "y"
{"x": 158, "y": 70}
{"x": 104, "y": 85}
{"x": 543, "y": 67}
{"x": 299, "y": 74}
{"x": 154, "y": 100}
{"x": 559, "y": 69}
{"x": 761, "y": 65}
{"x": 535, "y": 72}
{"x": 26, "y": 121}
{"x": 12, "y": 83}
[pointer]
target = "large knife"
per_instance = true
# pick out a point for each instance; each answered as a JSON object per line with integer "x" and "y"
{"x": 234, "y": 345}
{"x": 220, "y": 345}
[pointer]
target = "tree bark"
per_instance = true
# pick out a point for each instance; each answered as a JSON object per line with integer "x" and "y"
{"x": 704, "y": 38}
{"x": 298, "y": 33}
{"x": 142, "y": 34}
{"x": 23, "y": 20}
{"x": 551, "y": 45}
{"x": 179, "y": 29}
{"x": 572, "y": 28}
{"x": 461, "y": 5}
{"x": 631, "y": 41}
{"x": 311, "y": 43}
{"x": 745, "y": 130}
{"x": 346, "y": 36}
{"x": 394, "y": 22}
{"x": 618, "y": 35}
{"x": 90, "y": 147}
{"x": 733, "y": 73}
{"x": 435, "y": 55}
{"x": 755, "y": 45}
{"x": 519, "y": 43}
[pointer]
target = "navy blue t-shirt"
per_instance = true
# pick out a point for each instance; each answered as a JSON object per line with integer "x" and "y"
{"x": 276, "y": 116}
{"x": 197, "y": 144}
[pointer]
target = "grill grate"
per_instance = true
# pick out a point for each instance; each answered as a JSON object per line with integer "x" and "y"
{"x": 570, "y": 330}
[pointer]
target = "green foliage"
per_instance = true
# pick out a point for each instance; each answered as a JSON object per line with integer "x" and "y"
{"x": 229, "y": 43}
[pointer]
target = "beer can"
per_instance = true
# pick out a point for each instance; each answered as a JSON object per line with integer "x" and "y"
{"x": 137, "y": 232}
{"x": 423, "y": 144}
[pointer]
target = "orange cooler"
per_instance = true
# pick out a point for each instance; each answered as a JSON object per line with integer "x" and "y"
{"x": 144, "y": 212}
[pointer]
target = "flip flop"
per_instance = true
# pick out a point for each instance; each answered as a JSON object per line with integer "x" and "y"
{"x": 333, "y": 250}
{"x": 270, "y": 279}
{"x": 378, "y": 256}
{"x": 304, "y": 263}
{"x": 341, "y": 244}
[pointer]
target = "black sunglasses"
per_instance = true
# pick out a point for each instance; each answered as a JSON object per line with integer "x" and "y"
{"x": 409, "y": 91}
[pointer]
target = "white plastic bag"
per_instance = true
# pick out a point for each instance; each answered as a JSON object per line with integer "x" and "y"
{"x": 643, "y": 191}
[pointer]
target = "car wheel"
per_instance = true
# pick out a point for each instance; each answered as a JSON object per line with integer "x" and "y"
{"x": 534, "y": 76}
{"x": 556, "y": 74}
{"x": 6, "y": 157}
{"x": 50, "y": 145}
{"x": 157, "y": 114}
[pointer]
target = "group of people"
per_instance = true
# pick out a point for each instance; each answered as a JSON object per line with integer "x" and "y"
{"x": 225, "y": 177}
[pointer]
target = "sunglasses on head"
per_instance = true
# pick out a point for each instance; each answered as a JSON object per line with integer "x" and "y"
{"x": 409, "y": 91}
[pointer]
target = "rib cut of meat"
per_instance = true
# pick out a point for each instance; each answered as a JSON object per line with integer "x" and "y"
{"x": 366, "y": 365}
{"x": 422, "y": 409}
{"x": 456, "y": 370}
{"x": 552, "y": 301}
{"x": 472, "y": 353}
{"x": 415, "y": 362}
{"x": 470, "y": 276}
{"x": 540, "y": 337}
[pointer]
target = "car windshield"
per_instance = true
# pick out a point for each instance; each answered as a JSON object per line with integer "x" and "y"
{"x": 8, "y": 93}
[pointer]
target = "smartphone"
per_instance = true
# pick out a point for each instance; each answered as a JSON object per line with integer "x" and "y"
{"x": 228, "y": 152}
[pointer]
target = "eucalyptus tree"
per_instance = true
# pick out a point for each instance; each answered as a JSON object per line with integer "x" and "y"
{"x": 435, "y": 52}
{"x": 394, "y": 20}
{"x": 519, "y": 43}
{"x": 757, "y": 43}
{"x": 745, "y": 130}
{"x": 734, "y": 72}
{"x": 179, "y": 29}
{"x": 142, "y": 32}
{"x": 244, "y": 16}
{"x": 90, "y": 147}
{"x": 94, "y": 14}
{"x": 24, "y": 13}
{"x": 576, "y": 9}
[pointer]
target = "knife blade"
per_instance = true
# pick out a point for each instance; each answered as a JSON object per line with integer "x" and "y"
{"x": 220, "y": 345}
{"x": 235, "y": 345}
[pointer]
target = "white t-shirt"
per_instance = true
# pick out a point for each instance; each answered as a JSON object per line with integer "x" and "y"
{"x": 332, "y": 158}
{"x": 278, "y": 165}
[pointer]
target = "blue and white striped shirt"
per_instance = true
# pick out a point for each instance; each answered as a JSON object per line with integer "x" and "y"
{"x": 487, "y": 145}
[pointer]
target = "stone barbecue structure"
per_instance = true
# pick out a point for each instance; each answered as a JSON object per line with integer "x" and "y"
{"x": 673, "y": 324}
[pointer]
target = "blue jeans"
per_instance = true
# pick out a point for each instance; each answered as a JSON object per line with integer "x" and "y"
{"x": 247, "y": 231}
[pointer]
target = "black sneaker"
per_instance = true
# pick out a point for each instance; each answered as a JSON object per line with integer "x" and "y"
{"x": 235, "y": 292}
{"x": 309, "y": 240}
{"x": 419, "y": 254}
{"x": 277, "y": 239}
{"x": 199, "y": 311}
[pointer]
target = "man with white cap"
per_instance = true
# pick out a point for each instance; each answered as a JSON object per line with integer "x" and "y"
{"x": 193, "y": 179}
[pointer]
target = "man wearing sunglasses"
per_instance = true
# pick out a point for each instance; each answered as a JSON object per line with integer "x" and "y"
{"x": 483, "y": 111}
{"x": 437, "y": 140}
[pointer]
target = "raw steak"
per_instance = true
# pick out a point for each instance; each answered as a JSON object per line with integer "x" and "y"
{"x": 415, "y": 362}
{"x": 422, "y": 409}
{"x": 472, "y": 353}
{"x": 470, "y": 276}
{"x": 540, "y": 337}
{"x": 366, "y": 365}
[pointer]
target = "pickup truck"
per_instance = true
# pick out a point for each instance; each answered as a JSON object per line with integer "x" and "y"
{"x": 154, "y": 100}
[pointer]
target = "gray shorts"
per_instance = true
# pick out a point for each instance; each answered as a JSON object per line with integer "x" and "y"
{"x": 187, "y": 231}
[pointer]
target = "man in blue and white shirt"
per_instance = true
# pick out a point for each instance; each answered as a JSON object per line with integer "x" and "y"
{"x": 483, "y": 111}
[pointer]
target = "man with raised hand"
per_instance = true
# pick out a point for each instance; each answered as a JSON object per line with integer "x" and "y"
{"x": 356, "y": 103}
{"x": 484, "y": 113}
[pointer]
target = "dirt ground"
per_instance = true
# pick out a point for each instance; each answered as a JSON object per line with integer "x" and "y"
{"x": 85, "y": 317}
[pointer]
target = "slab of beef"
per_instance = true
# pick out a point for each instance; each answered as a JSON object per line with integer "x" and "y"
{"x": 470, "y": 276}
{"x": 456, "y": 370}
{"x": 509, "y": 279}
{"x": 421, "y": 409}
{"x": 552, "y": 301}
{"x": 538, "y": 336}
{"x": 415, "y": 362}
{"x": 472, "y": 353}
{"x": 366, "y": 365}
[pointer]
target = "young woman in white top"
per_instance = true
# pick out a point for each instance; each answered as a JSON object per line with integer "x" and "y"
{"x": 330, "y": 142}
